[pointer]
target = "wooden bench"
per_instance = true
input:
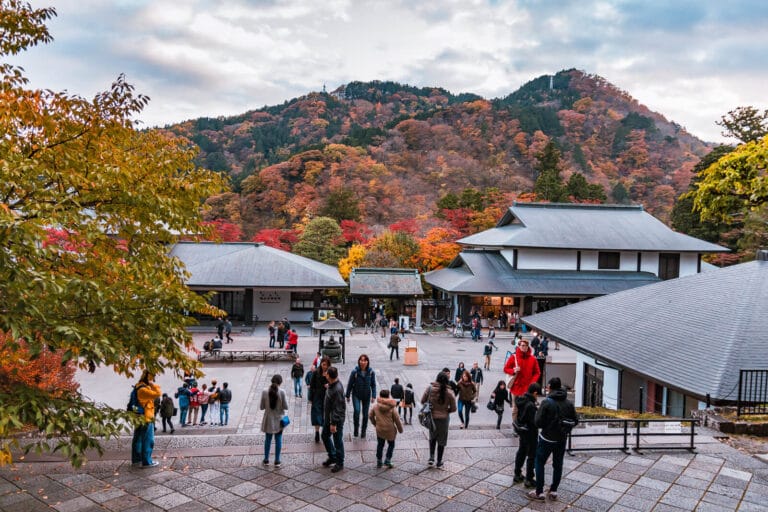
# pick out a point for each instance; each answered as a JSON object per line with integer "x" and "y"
{"x": 270, "y": 354}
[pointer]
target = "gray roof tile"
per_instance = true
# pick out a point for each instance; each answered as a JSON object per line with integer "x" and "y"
{"x": 385, "y": 282}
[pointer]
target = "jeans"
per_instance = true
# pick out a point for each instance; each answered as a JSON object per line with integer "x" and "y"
{"x": 271, "y": 341}
{"x": 142, "y": 444}
{"x": 297, "y": 386}
{"x": 183, "y": 415}
{"x": 224, "y": 414}
{"x": 334, "y": 443}
{"x": 394, "y": 350}
{"x": 526, "y": 453}
{"x": 204, "y": 409}
{"x": 380, "y": 449}
{"x": 357, "y": 405}
{"x": 465, "y": 407}
{"x": 278, "y": 445}
{"x": 543, "y": 450}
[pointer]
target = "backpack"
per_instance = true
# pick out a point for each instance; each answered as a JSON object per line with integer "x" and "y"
{"x": 425, "y": 417}
{"x": 564, "y": 425}
{"x": 133, "y": 401}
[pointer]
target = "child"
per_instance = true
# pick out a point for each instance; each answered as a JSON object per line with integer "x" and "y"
{"x": 384, "y": 417}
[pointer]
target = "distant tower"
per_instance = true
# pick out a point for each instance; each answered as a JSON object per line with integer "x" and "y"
{"x": 323, "y": 88}
{"x": 551, "y": 82}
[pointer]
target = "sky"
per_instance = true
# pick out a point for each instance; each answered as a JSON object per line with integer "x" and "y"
{"x": 690, "y": 60}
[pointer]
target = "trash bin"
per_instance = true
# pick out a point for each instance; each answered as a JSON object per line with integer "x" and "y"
{"x": 411, "y": 354}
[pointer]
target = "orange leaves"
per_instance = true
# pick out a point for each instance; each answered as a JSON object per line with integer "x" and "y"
{"x": 45, "y": 371}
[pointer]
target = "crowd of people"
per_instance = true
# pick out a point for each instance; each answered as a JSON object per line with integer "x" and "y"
{"x": 540, "y": 420}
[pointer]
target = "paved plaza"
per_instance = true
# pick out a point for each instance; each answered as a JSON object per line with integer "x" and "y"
{"x": 220, "y": 468}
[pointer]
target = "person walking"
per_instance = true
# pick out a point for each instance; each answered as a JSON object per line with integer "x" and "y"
{"x": 280, "y": 334}
{"x": 397, "y": 393}
{"x": 334, "y": 413}
{"x": 225, "y": 396}
{"x": 467, "y": 394}
{"x": 317, "y": 388}
{"x": 477, "y": 378}
{"x": 183, "y": 395}
{"x": 143, "y": 441}
{"x": 526, "y": 421}
{"x": 459, "y": 372}
{"x": 387, "y": 423}
{"x": 361, "y": 387}
{"x": 500, "y": 396}
{"x": 220, "y": 328}
{"x": 203, "y": 396}
{"x": 443, "y": 401}
{"x": 407, "y": 404}
{"x": 271, "y": 328}
{"x": 552, "y": 417}
{"x": 228, "y": 330}
{"x": 297, "y": 374}
{"x": 394, "y": 345}
{"x": 524, "y": 370}
{"x": 275, "y": 405}
{"x": 166, "y": 412}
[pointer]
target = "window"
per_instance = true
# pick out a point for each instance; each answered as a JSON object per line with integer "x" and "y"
{"x": 608, "y": 260}
{"x": 669, "y": 266}
{"x": 302, "y": 300}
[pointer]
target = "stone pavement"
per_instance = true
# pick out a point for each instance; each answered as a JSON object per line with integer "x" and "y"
{"x": 220, "y": 468}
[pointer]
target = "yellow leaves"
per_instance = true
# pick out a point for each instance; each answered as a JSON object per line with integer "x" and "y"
{"x": 354, "y": 259}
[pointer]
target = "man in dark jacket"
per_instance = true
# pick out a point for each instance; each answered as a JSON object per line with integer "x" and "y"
{"x": 334, "y": 412}
{"x": 553, "y": 418}
{"x": 526, "y": 429}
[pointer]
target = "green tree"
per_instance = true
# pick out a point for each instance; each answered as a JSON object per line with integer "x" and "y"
{"x": 549, "y": 184}
{"x": 581, "y": 190}
{"x": 620, "y": 194}
{"x": 322, "y": 240}
{"x": 394, "y": 249}
{"x": 88, "y": 209}
{"x": 746, "y": 124}
{"x": 341, "y": 204}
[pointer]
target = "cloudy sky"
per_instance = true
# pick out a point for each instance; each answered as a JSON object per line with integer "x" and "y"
{"x": 691, "y": 60}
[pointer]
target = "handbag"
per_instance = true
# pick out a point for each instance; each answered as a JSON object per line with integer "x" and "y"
{"x": 491, "y": 405}
{"x": 512, "y": 379}
{"x": 285, "y": 421}
{"x": 175, "y": 411}
{"x": 425, "y": 417}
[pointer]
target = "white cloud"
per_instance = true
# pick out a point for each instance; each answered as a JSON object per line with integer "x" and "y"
{"x": 691, "y": 61}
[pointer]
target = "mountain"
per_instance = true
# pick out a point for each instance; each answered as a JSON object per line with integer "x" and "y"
{"x": 383, "y": 152}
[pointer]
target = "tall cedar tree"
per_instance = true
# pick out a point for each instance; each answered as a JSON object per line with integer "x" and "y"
{"x": 88, "y": 209}
{"x": 322, "y": 240}
{"x": 549, "y": 184}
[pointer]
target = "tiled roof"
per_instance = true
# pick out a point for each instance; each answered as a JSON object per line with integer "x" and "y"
{"x": 693, "y": 333}
{"x": 385, "y": 282}
{"x": 584, "y": 226}
{"x": 238, "y": 265}
{"x": 489, "y": 273}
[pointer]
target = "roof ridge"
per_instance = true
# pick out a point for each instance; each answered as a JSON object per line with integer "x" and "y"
{"x": 582, "y": 206}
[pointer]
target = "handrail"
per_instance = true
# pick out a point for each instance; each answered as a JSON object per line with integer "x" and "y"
{"x": 636, "y": 431}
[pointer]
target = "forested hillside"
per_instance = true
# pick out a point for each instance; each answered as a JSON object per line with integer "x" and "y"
{"x": 382, "y": 153}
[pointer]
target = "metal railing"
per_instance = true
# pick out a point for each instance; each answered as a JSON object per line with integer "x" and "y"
{"x": 753, "y": 392}
{"x": 625, "y": 433}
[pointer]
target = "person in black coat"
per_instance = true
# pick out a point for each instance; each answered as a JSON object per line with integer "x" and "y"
{"x": 526, "y": 429}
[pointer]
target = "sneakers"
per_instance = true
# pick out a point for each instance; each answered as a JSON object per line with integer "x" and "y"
{"x": 530, "y": 484}
{"x": 278, "y": 463}
{"x": 536, "y": 496}
{"x": 265, "y": 462}
{"x": 388, "y": 464}
{"x": 328, "y": 463}
{"x": 552, "y": 495}
{"x": 431, "y": 462}
{"x": 151, "y": 464}
{"x": 336, "y": 468}
{"x": 518, "y": 478}
{"x": 439, "y": 464}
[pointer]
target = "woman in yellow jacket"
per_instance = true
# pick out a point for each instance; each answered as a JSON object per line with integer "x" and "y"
{"x": 144, "y": 435}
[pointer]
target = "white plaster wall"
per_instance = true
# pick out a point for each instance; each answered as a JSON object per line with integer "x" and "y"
{"x": 275, "y": 305}
{"x": 688, "y": 263}
{"x": 588, "y": 260}
{"x": 650, "y": 263}
{"x": 610, "y": 382}
{"x": 546, "y": 259}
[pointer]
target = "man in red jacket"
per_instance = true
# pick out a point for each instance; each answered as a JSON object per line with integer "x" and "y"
{"x": 525, "y": 368}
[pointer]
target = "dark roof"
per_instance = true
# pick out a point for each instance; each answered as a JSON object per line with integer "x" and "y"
{"x": 489, "y": 273}
{"x": 693, "y": 333}
{"x": 585, "y": 226}
{"x": 385, "y": 282}
{"x": 238, "y": 265}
